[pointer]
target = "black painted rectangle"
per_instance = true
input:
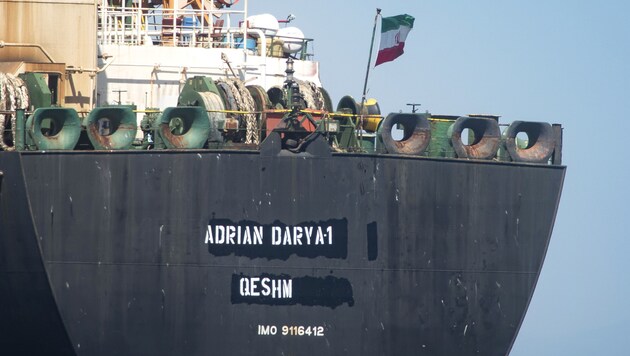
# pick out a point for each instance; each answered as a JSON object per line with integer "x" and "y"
{"x": 277, "y": 240}
{"x": 372, "y": 241}
{"x": 326, "y": 291}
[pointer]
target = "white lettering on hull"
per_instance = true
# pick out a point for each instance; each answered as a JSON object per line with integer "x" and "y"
{"x": 266, "y": 287}
{"x": 234, "y": 235}
{"x": 280, "y": 235}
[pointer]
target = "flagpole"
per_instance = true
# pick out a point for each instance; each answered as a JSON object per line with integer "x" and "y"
{"x": 367, "y": 72}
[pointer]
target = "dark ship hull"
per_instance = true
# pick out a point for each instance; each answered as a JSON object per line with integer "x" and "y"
{"x": 251, "y": 253}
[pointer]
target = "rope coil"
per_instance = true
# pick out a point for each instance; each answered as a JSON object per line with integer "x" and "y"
{"x": 13, "y": 96}
{"x": 243, "y": 102}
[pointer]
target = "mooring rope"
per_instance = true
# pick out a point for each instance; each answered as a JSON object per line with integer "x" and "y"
{"x": 13, "y": 96}
{"x": 244, "y": 102}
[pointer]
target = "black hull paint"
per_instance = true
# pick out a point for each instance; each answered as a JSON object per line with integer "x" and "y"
{"x": 103, "y": 253}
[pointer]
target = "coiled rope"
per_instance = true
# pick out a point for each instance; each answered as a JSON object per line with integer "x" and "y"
{"x": 13, "y": 96}
{"x": 312, "y": 95}
{"x": 243, "y": 101}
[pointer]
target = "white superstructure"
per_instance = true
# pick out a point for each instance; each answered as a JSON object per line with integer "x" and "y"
{"x": 147, "y": 53}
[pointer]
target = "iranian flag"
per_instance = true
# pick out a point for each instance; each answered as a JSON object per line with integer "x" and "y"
{"x": 394, "y": 31}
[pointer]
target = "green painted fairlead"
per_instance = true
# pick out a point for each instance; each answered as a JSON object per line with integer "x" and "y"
{"x": 53, "y": 128}
{"x": 183, "y": 127}
{"x": 111, "y": 128}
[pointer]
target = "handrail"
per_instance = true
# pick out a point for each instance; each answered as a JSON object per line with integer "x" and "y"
{"x": 129, "y": 25}
{"x": 178, "y": 27}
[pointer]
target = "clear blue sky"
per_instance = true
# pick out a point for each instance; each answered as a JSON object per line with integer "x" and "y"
{"x": 564, "y": 62}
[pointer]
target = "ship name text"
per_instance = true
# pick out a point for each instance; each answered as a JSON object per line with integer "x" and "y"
{"x": 279, "y": 235}
{"x": 277, "y": 240}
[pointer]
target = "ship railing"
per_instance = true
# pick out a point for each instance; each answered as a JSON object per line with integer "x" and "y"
{"x": 141, "y": 26}
{"x": 160, "y": 26}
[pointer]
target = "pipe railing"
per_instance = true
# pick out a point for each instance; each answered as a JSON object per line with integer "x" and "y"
{"x": 181, "y": 27}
